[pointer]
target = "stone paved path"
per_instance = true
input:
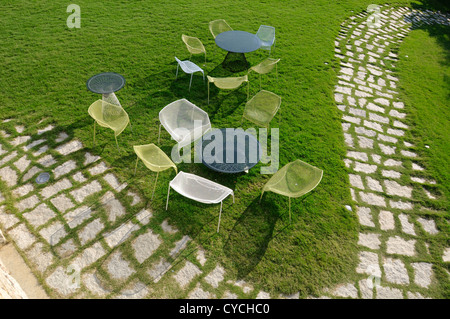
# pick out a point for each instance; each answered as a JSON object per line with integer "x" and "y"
{"x": 85, "y": 234}
{"x": 394, "y": 257}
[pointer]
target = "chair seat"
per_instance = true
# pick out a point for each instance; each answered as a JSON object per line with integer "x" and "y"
{"x": 294, "y": 179}
{"x": 192, "y": 67}
{"x": 188, "y": 66}
{"x": 153, "y": 157}
{"x": 109, "y": 115}
{"x": 199, "y": 189}
{"x": 266, "y": 43}
{"x": 184, "y": 121}
{"x": 258, "y": 116}
{"x": 262, "y": 108}
{"x": 228, "y": 83}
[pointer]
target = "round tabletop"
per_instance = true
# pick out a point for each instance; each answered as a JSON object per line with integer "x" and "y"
{"x": 229, "y": 150}
{"x": 104, "y": 83}
{"x": 238, "y": 41}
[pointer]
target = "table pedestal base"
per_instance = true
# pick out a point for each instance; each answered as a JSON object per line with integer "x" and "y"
{"x": 111, "y": 98}
{"x": 235, "y": 62}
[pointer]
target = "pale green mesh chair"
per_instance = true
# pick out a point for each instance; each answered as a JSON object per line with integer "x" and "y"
{"x": 267, "y": 36}
{"x": 229, "y": 83}
{"x": 218, "y": 26}
{"x": 265, "y": 67}
{"x": 261, "y": 108}
{"x": 295, "y": 179}
{"x": 154, "y": 159}
{"x": 109, "y": 115}
{"x": 194, "y": 45}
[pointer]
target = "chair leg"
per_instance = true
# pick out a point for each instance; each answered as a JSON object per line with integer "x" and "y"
{"x": 117, "y": 142}
{"x": 168, "y": 193}
{"x": 276, "y": 71}
{"x": 94, "y": 133}
{"x": 176, "y": 74}
{"x": 159, "y": 132}
{"x": 289, "y": 210}
{"x": 190, "y": 82}
{"x": 248, "y": 89}
{"x": 279, "y": 119}
{"x": 135, "y": 167}
{"x": 154, "y": 187}
{"x": 220, "y": 215}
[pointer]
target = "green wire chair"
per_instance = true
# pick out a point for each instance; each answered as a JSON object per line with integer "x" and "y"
{"x": 109, "y": 115}
{"x": 154, "y": 159}
{"x": 218, "y": 26}
{"x": 295, "y": 179}
{"x": 261, "y": 108}
{"x": 194, "y": 45}
{"x": 265, "y": 67}
{"x": 229, "y": 83}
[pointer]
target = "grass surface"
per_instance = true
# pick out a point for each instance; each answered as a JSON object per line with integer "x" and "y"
{"x": 424, "y": 71}
{"x": 45, "y": 68}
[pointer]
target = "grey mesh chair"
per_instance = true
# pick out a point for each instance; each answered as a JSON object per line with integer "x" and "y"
{"x": 267, "y": 36}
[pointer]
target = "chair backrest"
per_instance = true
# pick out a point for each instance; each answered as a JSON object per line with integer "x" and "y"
{"x": 265, "y": 66}
{"x": 218, "y": 26}
{"x": 199, "y": 188}
{"x": 193, "y": 44}
{"x": 228, "y": 83}
{"x": 262, "y": 107}
{"x": 266, "y": 34}
{"x": 184, "y": 121}
{"x": 184, "y": 66}
{"x": 154, "y": 158}
{"x": 294, "y": 179}
{"x": 109, "y": 115}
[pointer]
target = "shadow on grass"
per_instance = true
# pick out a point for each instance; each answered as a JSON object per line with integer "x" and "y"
{"x": 438, "y": 5}
{"x": 250, "y": 236}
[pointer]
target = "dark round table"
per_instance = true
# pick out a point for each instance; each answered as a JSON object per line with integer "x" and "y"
{"x": 229, "y": 150}
{"x": 237, "y": 43}
{"x": 106, "y": 84}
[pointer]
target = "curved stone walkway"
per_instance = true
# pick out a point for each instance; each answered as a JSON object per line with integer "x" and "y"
{"x": 77, "y": 235}
{"x": 380, "y": 159}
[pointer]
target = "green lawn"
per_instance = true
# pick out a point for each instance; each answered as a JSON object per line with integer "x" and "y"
{"x": 45, "y": 66}
{"x": 424, "y": 70}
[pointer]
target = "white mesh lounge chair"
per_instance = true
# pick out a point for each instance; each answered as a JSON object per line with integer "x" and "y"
{"x": 267, "y": 36}
{"x": 184, "y": 121}
{"x": 189, "y": 68}
{"x": 199, "y": 189}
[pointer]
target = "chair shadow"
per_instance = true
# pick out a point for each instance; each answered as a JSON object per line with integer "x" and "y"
{"x": 251, "y": 234}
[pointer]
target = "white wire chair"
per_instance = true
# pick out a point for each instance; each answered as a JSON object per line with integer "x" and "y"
{"x": 199, "y": 189}
{"x": 184, "y": 121}
{"x": 189, "y": 68}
